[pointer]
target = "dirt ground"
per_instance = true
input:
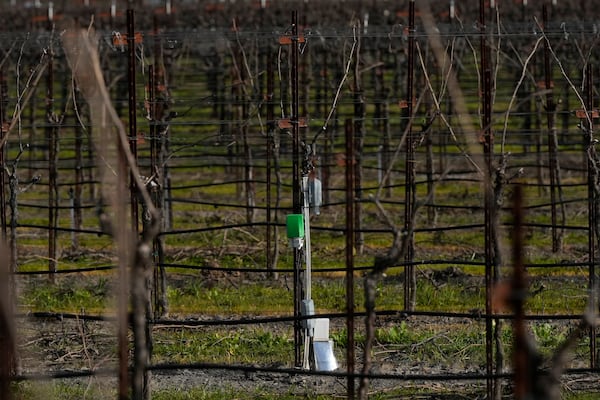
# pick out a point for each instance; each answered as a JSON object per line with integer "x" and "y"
{"x": 55, "y": 345}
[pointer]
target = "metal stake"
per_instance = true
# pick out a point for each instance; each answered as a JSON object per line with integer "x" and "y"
{"x": 409, "y": 194}
{"x": 51, "y": 136}
{"x": 131, "y": 65}
{"x": 592, "y": 201}
{"x": 350, "y": 243}
{"x": 552, "y": 145}
{"x": 489, "y": 200}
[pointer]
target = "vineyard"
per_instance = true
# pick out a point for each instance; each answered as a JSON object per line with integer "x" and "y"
{"x": 274, "y": 199}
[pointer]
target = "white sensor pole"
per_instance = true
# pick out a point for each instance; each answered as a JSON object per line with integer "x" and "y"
{"x": 307, "y": 275}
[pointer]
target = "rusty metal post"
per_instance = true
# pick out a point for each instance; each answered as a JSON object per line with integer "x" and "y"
{"x": 3, "y": 106}
{"x": 359, "y": 132}
{"x": 131, "y": 81}
{"x": 326, "y": 164}
{"x": 350, "y": 243}
{"x": 409, "y": 195}
{"x": 271, "y": 127}
{"x": 552, "y": 139}
{"x": 140, "y": 298}
{"x": 123, "y": 325}
{"x": 151, "y": 93}
{"x": 305, "y": 76}
{"x": 489, "y": 213}
{"x": 382, "y": 123}
{"x": 237, "y": 117}
{"x": 592, "y": 174}
{"x": 249, "y": 186}
{"x": 156, "y": 191}
{"x": 77, "y": 192}
{"x": 296, "y": 189}
{"x": 33, "y": 133}
{"x": 297, "y": 195}
{"x": 51, "y": 137}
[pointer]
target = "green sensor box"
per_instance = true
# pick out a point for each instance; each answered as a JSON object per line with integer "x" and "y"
{"x": 295, "y": 226}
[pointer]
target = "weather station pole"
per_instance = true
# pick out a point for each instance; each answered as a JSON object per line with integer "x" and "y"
{"x": 313, "y": 349}
{"x": 296, "y": 189}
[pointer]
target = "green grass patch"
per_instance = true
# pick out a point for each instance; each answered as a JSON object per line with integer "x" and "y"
{"x": 252, "y": 298}
{"x": 241, "y": 346}
{"x": 92, "y": 295}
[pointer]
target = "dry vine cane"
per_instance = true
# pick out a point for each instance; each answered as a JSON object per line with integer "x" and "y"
{"x": 114, "y": 160}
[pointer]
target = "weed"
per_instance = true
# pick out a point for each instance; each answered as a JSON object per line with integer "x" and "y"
{"x": 340, "y": 338}
{"x": 398, "y": 334}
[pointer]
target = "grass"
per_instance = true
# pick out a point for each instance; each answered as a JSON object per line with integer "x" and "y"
{"x": 91, "y": 391}
{"x": 193, "y": 293}
{"x": 254, "y": 298}
{"x": 233, "y": 346}
{"x": 67, "y": 295}
{"x": 62, "y": 390}
{"x": 416, "y": 342}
